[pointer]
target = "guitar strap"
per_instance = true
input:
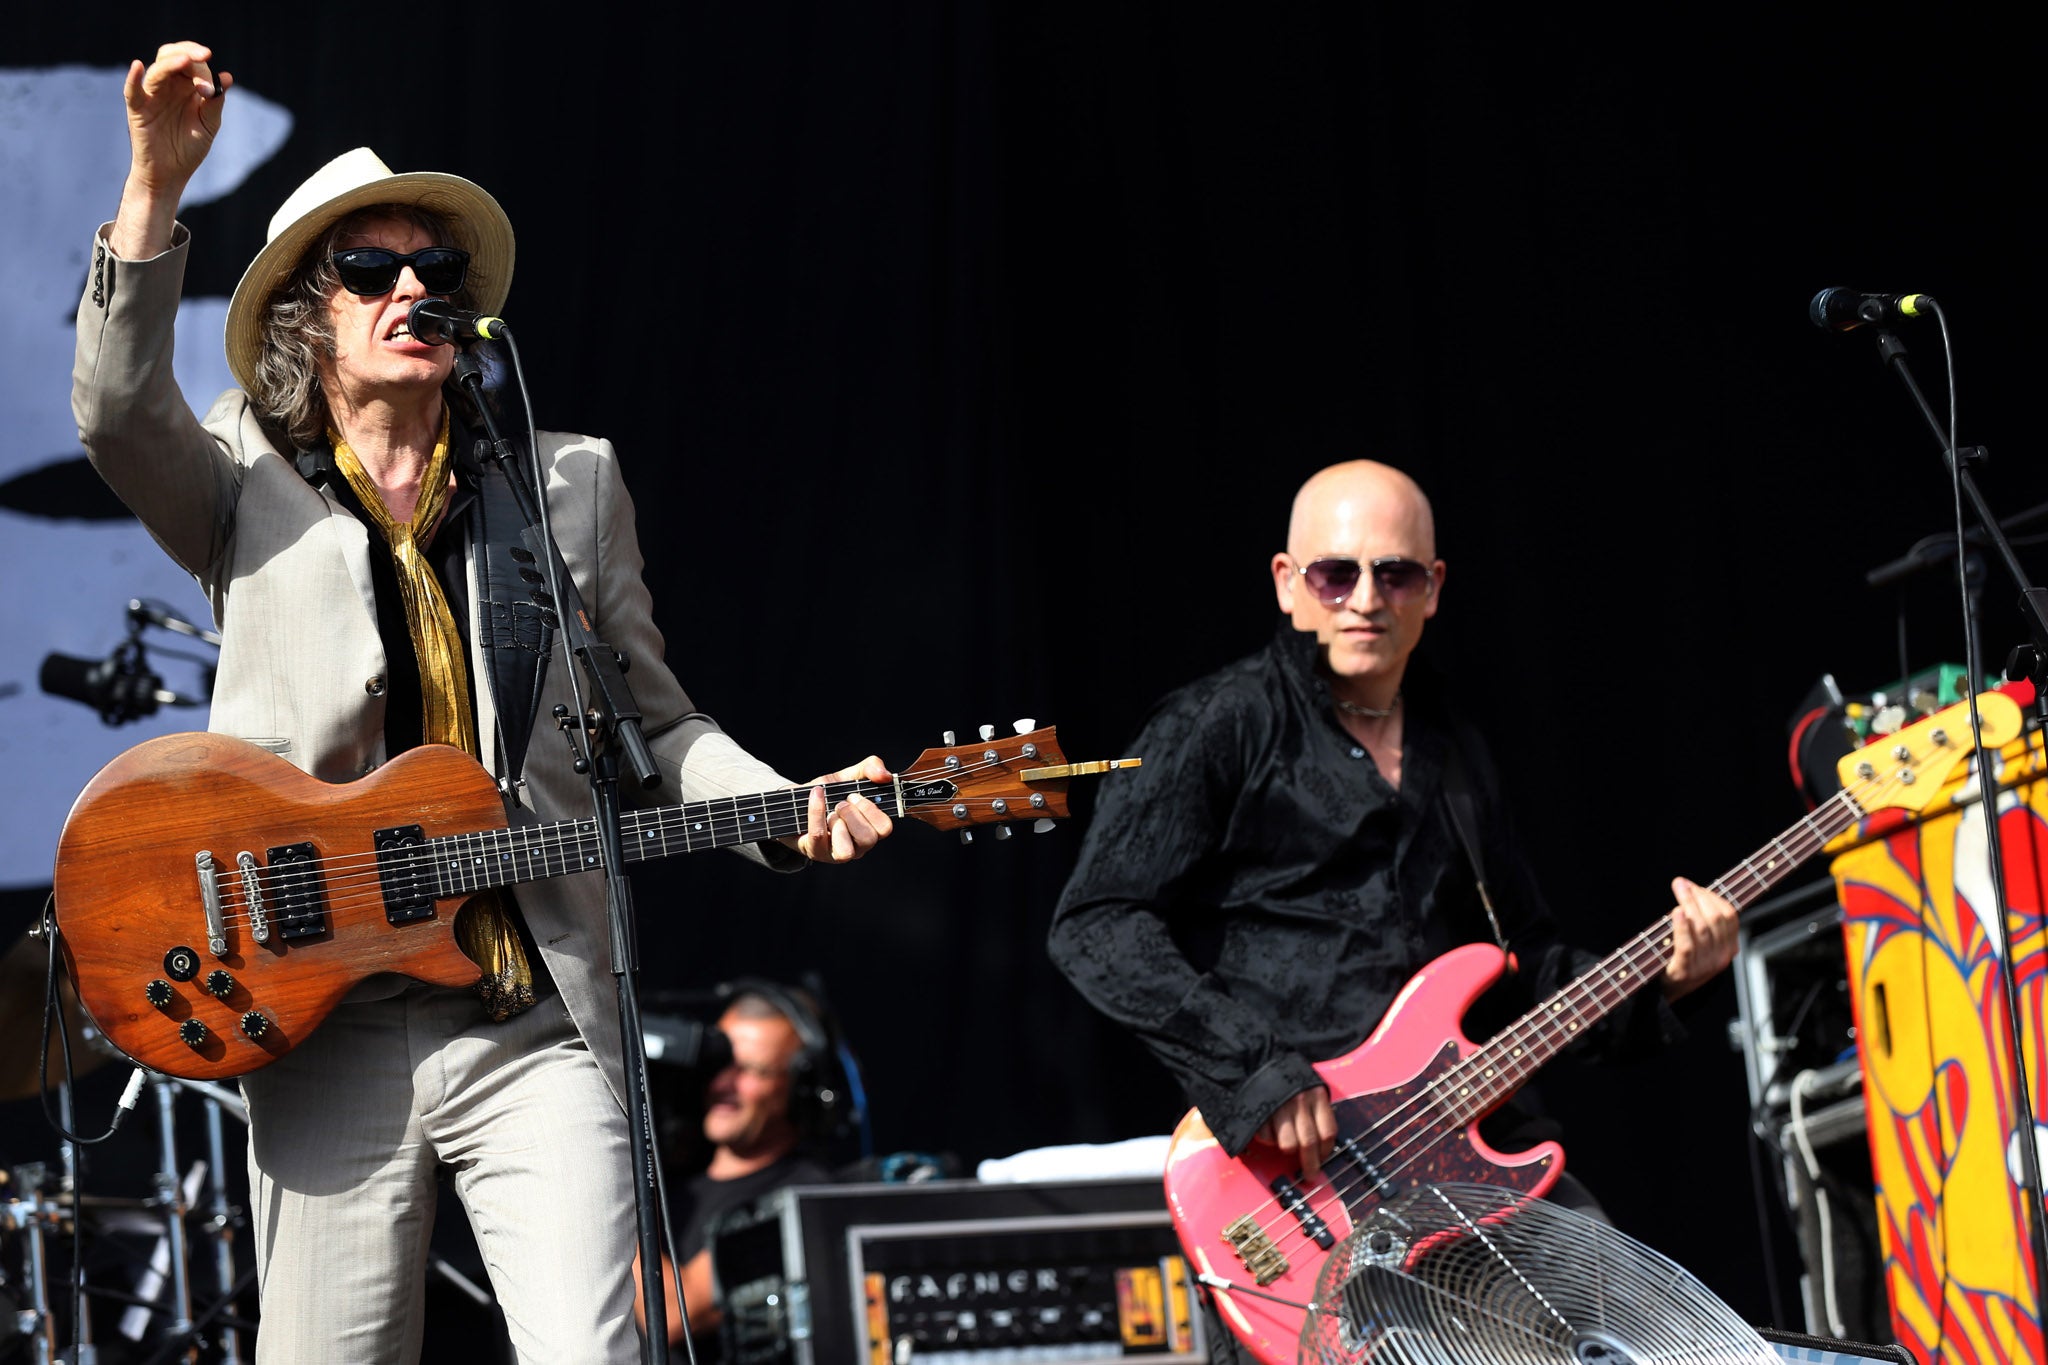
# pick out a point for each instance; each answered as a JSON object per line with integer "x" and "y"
{"x": 1461, "y": 811}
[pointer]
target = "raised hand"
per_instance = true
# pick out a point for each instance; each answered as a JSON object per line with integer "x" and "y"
{"x": 174, "y": 112}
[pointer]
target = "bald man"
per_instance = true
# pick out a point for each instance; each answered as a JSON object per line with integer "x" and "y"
{"x": 1251, "y": 899}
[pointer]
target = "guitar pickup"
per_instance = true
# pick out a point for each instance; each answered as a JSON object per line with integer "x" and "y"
{"x": 298, "y": 899}
{"x": 1255, "y": 1250}
{"x": 1295, "y": 1202}
{"x": 1351, "y": 1150}
{"x": 406, "y": 873}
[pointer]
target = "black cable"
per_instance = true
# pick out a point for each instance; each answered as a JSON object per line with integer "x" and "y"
{"x": 1905, "y": 666}
{"x": 550, "y": 563}
{"x": 1987, "y": 786}
{"x": 1763, "y": 1212}
{"x": 1757, "y": 1114}
{"x": 552, "y": 566}
{"x": 1764, "y": 1134}
{"x": 53, "y": 1011}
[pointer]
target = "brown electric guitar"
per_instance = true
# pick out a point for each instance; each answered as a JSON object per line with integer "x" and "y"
{"x": 216, "y": 903}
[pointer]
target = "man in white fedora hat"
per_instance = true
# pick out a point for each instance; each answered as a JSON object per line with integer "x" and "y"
{"x": 369, "y": 595}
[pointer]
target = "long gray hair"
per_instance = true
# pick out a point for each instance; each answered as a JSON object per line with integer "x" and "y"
{"x": 298, "y": 333}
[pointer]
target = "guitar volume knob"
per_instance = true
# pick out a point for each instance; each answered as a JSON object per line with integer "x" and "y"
{"x": 254, "y": 1025}
{"x": 193, "y": 1032}
{"x": 219, "y": 984}
{"x": 159, "y": 992}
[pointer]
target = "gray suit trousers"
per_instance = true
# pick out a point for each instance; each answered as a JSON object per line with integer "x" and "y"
{"x": 348, "y": 1133}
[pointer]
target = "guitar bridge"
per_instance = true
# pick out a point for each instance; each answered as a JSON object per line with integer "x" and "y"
{"x": 1255, "y": 1249}
{"x": 252, "y": 893}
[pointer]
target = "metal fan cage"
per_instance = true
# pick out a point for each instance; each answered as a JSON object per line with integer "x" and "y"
{"x": 1478, "y": 1275}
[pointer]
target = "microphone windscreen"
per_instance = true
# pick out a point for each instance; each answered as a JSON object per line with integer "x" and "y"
{"x": 74, "y": 679}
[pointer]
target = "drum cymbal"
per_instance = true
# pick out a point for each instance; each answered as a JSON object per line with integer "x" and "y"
{"x": 22, "y": 973}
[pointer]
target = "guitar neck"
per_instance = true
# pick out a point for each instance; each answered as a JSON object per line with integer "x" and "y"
{"x": 1493, "y": 1072}
{"x": 468, "y": 863}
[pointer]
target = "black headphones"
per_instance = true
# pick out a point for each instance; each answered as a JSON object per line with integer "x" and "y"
{"x": 820, "y": 1107}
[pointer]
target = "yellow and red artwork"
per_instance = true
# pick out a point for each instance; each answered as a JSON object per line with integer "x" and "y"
{"x": 1927, "y": 961}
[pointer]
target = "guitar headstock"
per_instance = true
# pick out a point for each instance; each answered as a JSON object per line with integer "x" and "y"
{"x": 1907, "y": 769}
{"x": 1022, "y": 776}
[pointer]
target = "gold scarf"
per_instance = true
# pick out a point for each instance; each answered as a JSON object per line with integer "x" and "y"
{"x": 485, "y": 930}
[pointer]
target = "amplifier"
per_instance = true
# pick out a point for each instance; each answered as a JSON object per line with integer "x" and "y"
{"x": 1792, "y": 993}
{"x": 955, "y": 1272}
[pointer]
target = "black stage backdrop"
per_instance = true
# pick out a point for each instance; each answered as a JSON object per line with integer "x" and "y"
{"x": 964, "y": 360}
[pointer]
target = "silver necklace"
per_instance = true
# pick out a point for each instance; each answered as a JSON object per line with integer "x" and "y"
{"x": 1352, "y": 708}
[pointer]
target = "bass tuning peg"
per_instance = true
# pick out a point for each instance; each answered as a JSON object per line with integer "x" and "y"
{"x": 946, "y": 738}
{"x": 1002, "y": 831}
{"x": 966, "y": 836}
{"x": 1025, "y": 725}
{"x": 988, "y": 732}
{"x": 1045, "y": 826}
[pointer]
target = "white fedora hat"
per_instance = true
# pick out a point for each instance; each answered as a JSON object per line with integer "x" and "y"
{"x": 356, "y": 180}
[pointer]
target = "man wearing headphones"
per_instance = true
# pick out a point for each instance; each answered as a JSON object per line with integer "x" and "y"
{"x": 761, "y": 1112}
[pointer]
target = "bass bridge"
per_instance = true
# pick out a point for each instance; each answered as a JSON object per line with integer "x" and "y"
{"x": 1255, "y": 1249}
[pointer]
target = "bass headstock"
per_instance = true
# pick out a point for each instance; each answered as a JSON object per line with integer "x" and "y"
{"x": 1906, "y": 769}
{"x": 1000, "y": 780}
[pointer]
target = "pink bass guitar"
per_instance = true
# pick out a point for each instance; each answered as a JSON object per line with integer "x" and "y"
{"x": 1409, "y": 1098}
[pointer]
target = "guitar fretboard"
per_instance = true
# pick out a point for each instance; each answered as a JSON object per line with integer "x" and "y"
{"x": 467, "y": 863}
{"x": 1493, "y": 1072}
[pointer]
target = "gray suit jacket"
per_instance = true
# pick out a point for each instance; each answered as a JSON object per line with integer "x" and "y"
{"x": 287, "y": 570}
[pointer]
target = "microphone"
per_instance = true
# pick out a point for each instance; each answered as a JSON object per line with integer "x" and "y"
{"x": 440, "y": 323}
{"x": 118, "y": 692}
{"x": 1844, "y": 310}
{"x": 120, "y": 687}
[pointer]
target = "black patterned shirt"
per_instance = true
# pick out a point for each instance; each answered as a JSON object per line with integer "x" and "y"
{"x": 1254, "y": 896}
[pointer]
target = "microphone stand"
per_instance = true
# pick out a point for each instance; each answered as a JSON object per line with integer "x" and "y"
{"x": 603, "y": 727}
{"x": 2033, "y": 604}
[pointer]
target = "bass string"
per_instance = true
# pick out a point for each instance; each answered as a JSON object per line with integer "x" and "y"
{"x": 1438, "y": 1110}
{"x": 1424, "y": 1118}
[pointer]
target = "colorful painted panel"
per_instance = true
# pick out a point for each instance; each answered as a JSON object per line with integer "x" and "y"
{"x": 1926, "y": 969}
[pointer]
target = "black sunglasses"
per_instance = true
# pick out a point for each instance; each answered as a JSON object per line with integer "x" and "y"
{"x": 1398, "y": 578}
{"x": 373, "y": 270}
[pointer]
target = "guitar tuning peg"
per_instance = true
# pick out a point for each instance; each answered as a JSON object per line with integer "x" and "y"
{"x": 946, "y": 738}
{"x": 1002, "y": 831}
{"x": 1025, "y": 726}
{"x": 1044, "y": 826}
{"x": 966, "y": 836}
{"x": 988, "y": 732}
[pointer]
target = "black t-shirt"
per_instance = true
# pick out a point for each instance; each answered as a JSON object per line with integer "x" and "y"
{"x": 701, "y": 1199}
{"x": 698, "y": 1205}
